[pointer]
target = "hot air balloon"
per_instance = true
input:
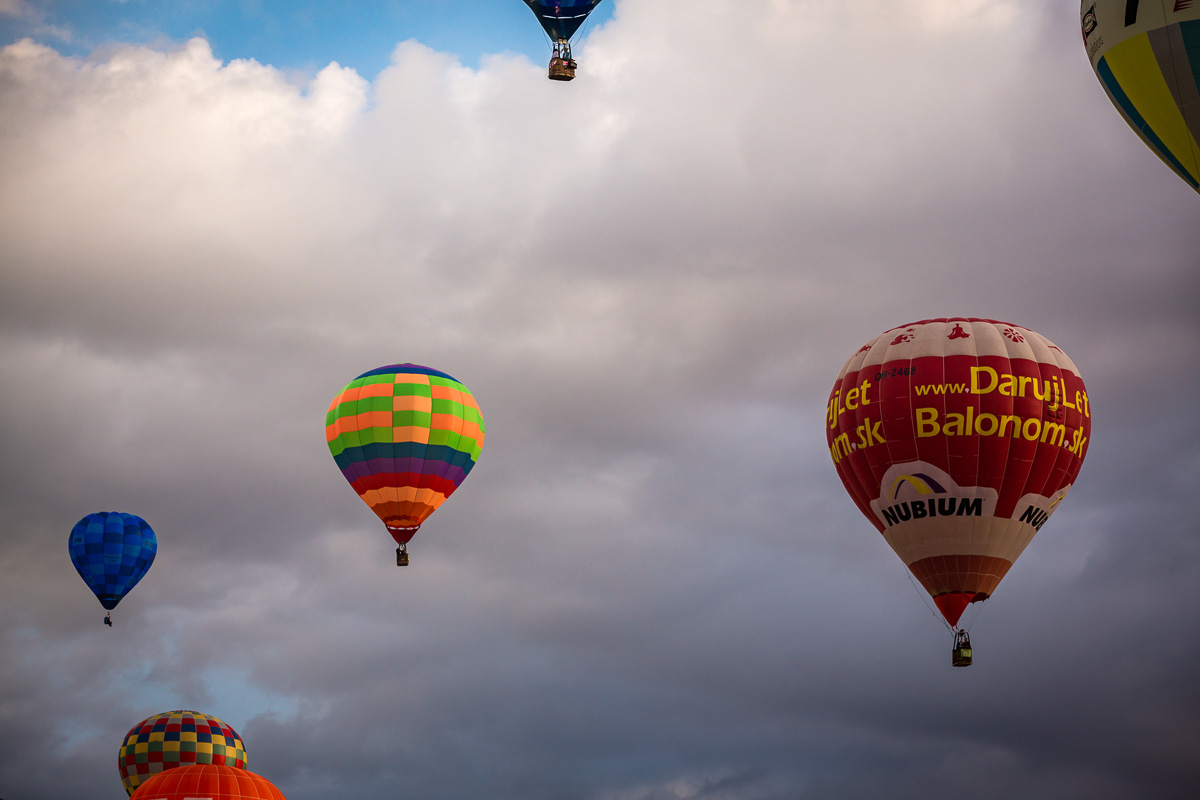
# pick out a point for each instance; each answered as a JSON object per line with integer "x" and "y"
{"x": 176, "y": 739}
{"x": 112, "y": 551}
{"x": 208, "y": 782}
{"x": 405, "y": 437}
{"x": 561, "y": 19}
{"x": 958, "y": 438}
{"x": 1146, "y": 54}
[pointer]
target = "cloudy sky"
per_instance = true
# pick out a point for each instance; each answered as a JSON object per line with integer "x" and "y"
{"x": 653, "y": 586}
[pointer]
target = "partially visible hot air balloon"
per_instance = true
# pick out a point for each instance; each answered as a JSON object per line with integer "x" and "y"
{"x": 561, "y": 19}
{"x": 175, "y": 739}
{"x": 405, "y": 437}
{"x": 112, "y": 552}
{"x": 1146, "y": 53}
{"x": 208, "y": 782}
{"x": 958, "y": 438}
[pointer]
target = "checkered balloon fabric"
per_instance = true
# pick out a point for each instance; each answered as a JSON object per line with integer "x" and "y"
{"x": 177, "y": 738}
{"x": 405, "y": 437}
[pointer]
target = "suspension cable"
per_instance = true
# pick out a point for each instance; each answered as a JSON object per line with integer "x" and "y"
{"x": 925, "y": 599}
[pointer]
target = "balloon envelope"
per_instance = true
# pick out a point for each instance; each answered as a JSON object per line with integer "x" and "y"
{"x": 112, "y": 552}
{"x": 208, "y": 782}
{"x": 1146, "y": 54}
{"x": 561, "y": 18}
{"x": 176, "y": 739}
{"x": 405, "y": 437}
{"x": 958, "y": 438}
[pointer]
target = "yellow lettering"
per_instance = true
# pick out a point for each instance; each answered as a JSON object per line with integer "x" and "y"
{"x": 1037, "y": 429}
{"x": 927, "y": 424}
{"x": 1025, "y": 379}
{"x": 954, "y": 425}
{"x": 1008, "y": 386}
{"x": 840, "y": 447}
{"x": 852, "y": 399}
{"x": 1005, "y": 420}
{"x": 833, "y": 408}
{"x": 866, "y": 384}
{"x": 1055, "y": 432}
{"x": 993, "y": 424}
{"x": 975, "y": 388}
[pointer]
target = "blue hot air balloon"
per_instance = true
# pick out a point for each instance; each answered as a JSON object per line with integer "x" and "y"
{"x": 560, "y": 19}
{"x": 112, "y": 551}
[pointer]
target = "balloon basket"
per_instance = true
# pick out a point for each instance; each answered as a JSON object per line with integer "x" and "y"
{"x": 401, "y": 557}
{"x": 960, "y": 656}
{"x": 562, "y": 69}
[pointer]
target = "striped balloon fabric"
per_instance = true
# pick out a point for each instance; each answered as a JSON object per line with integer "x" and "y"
{"x": 112, "y": 552}
{"x": 1146, "y": 53}
{"x": 175, "y": 739}
{"x": 405, "y": 437}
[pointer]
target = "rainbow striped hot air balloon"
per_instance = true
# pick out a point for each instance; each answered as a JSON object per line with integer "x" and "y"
{"x": 405, "y": 437}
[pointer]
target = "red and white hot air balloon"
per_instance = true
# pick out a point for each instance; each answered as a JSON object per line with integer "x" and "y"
{"x": 958, "y": 438}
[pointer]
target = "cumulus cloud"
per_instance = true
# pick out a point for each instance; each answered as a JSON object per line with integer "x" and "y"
{"x": 653, "y": 585}
{"x": 15, "y": 8}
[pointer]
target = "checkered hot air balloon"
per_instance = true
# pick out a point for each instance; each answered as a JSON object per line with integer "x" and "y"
{"x": 112, "y": 552}
{"x": 958, "y": 438}
{"x": 1146, "y": 54}
{"x": 164, "y": 742}
{"x": 405, "y": 437}
{"x": 208, "y": 782}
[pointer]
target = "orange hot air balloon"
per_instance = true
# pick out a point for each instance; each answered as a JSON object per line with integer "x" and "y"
{"x": 958, "y": 438}
{"x": 207, "y": 782}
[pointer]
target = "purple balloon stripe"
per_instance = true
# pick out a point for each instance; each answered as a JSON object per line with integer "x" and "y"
{"x": 362, "y": 469}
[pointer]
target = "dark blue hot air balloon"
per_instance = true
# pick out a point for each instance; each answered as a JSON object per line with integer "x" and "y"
{"x": 561, "y": 19}
{"x": 112, "y": 551}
